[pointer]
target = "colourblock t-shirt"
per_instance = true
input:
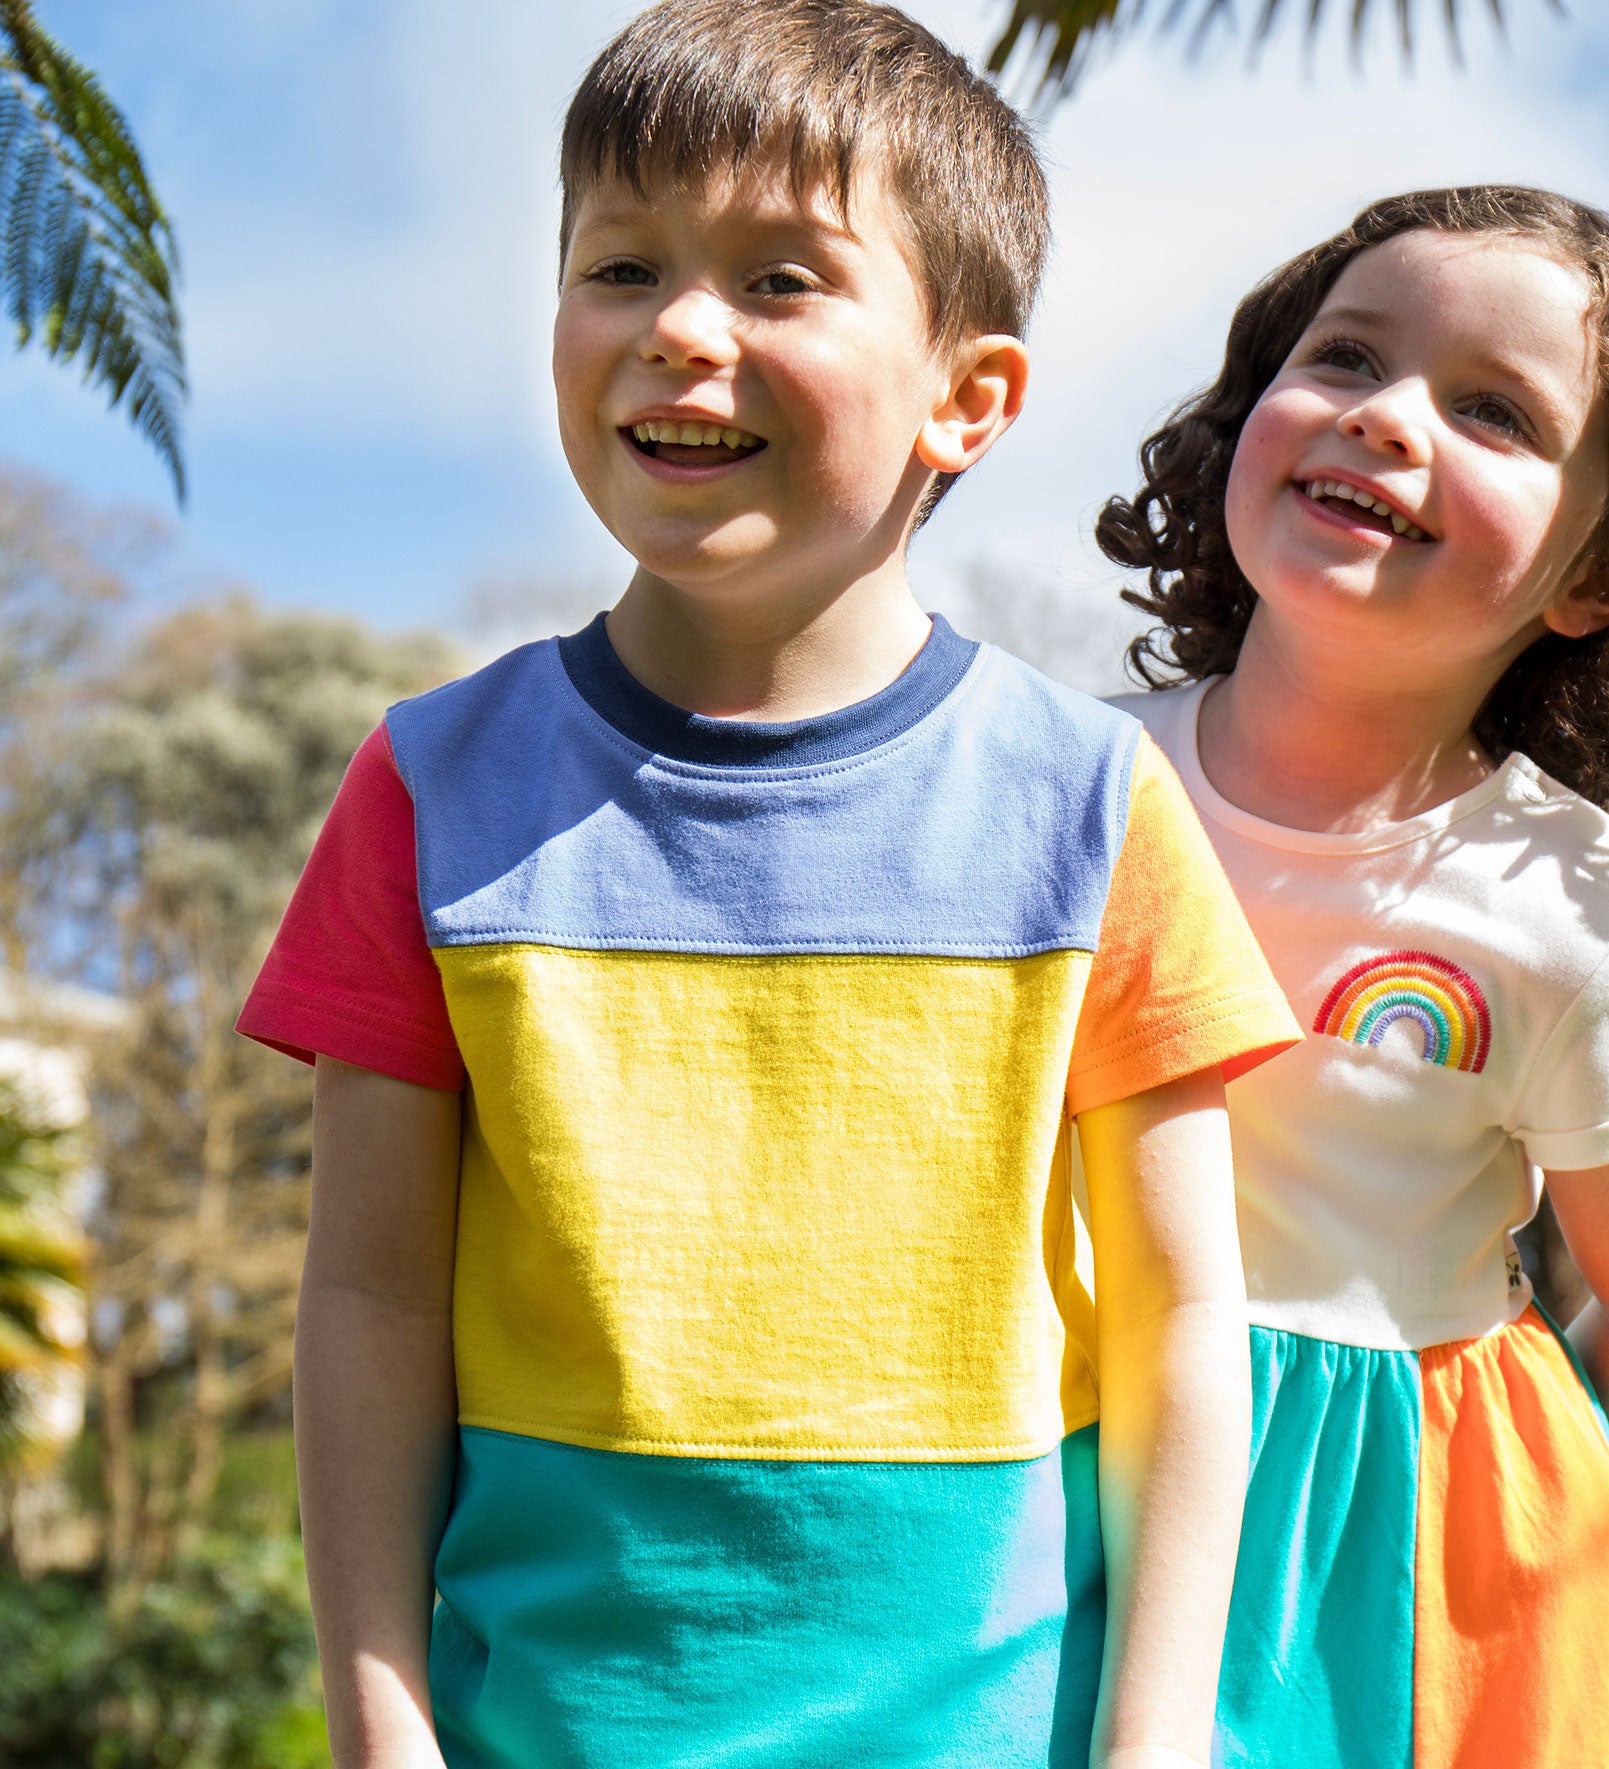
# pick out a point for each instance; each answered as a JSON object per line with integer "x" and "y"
{"x": 775, "y": 1370}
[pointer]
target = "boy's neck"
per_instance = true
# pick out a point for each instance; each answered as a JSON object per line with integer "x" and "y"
{"x": 1322, "y": 743}
{"x": 769, "y": 659}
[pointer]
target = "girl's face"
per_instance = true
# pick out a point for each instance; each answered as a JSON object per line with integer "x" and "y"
{"x": 1418, "y": 484}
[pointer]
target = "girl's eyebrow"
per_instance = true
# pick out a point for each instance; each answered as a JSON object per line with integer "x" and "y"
{"x": 1357, "y": 316}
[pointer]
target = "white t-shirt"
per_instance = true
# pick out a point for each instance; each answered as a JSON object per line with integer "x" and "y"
{"x": 1453, "y": 972}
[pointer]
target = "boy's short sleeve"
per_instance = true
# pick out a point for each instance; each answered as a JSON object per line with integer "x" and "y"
{"x": 1562, "y": 1115}
{"x": 349, "y": 974}
{"x": 1178, "y": 982}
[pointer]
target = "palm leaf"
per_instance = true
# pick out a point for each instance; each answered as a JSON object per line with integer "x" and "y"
{"x": 1056, "y": 38}
{"x": 88, "y": 263}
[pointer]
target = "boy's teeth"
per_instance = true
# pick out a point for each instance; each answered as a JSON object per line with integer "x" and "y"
{"x": 1400, "y": 523}
{"x": 693, "y": 435}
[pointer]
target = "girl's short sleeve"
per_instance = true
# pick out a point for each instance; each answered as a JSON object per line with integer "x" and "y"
{"x": 349, "y": 974}
{"x": 1562, "y": 1115}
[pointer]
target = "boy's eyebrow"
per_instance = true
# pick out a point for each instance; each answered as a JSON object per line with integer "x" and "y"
{"x": 793, "y": 220}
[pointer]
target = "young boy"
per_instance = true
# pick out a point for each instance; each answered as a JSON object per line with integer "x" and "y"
{"x": 703, "y": 1004}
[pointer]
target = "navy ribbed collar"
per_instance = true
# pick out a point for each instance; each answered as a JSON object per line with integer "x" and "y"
{"x": 616, "y": 696}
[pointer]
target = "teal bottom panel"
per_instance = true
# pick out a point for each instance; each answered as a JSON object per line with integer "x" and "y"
{"x": 1318, "y": 1660}
{"x": 604, "y": 1611}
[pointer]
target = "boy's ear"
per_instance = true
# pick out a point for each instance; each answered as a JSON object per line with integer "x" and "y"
{"x": 988, "y": 379}
{"x": 1583, "y": 609}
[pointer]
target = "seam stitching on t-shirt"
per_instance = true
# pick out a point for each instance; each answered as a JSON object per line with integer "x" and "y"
{"x": 714, "y": 771}
{"x": 1510, "y": 1126}
{"x": 555, "y": 941}
{"x": 764, "y": 1450}
{"x": 1230, "y": 1008}
{"x": 313, "y": 1000}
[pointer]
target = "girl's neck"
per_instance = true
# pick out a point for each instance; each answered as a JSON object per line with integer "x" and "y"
{"x": 1299, "y": 740}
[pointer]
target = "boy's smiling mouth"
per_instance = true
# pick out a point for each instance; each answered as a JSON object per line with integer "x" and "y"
{"x": 691, "y": 443}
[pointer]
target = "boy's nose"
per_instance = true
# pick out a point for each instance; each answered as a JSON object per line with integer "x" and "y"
{"x": 692, "y": 329}
{"x": 1395, "y": 419}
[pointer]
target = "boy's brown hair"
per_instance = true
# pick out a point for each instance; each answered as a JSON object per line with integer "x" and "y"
{"x": 1552, "y": 703}
{"x": 692, "y": 87}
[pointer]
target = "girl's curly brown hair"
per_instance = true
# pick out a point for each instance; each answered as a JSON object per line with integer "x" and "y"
{"x": 1552, "y": 703}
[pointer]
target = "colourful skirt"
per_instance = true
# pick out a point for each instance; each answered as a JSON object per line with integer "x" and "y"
{"x": 1424, "y": 1570}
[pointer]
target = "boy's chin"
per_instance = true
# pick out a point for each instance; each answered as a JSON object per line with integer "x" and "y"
{"x": 743, "y": 548}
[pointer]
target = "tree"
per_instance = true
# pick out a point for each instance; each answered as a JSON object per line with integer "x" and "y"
{"x": 87, "y": 256}
{"x": 1057, "y": 38}
{"x": 41, "y": 1266}
{"x": 171, "y": 804}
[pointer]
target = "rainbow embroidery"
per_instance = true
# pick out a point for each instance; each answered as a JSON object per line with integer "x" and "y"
{"x": 1443, "y": 1001}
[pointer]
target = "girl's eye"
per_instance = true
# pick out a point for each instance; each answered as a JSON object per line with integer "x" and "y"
{"x": 622, "y": 273}
{"x": 1340, "y": 354}
{"x": 1496, "y": 414}
{"x": 781, "y": 282}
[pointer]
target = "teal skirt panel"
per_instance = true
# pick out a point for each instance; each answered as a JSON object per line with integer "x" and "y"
{"x": 612, "y": 1611}
{"x": 1318, "y": 1659}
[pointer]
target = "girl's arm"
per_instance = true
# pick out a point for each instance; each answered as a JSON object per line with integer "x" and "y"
{"x": 1175, "y": 1413}
{"x": 375, "y": 1411}
{"x": 1581, "y": 1203}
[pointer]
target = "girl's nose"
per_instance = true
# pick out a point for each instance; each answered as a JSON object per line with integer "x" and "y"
{"x": 1395, "y": 419}
{"x": 693, "y": 329}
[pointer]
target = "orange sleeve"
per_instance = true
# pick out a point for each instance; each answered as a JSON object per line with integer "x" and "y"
{"x": 1178, "y": 982}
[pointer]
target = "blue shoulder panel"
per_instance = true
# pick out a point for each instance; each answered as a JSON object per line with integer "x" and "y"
{"x": 988, "y": 829}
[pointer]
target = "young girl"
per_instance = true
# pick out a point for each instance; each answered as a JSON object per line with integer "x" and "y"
{"x": 1379, "y": 551}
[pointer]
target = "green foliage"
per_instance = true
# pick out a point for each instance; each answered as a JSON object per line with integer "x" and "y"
{"x": 41, "y": 1265}
{"x": 215, "y": 1668}
{"x": 1056, "y": 38}
{"x": 87, "y": 258}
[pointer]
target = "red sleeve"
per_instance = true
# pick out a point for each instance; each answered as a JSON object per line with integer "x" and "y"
{"x": 1178, "y": 982}
{"x": 349, "y": 974}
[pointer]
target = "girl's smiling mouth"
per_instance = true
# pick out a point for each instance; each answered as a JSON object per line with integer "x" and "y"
{"x": 1355, "y": 506}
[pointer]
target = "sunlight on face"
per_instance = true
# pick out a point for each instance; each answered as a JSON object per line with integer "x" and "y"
{"x": 742, "y": 376}
{"x": 1421, "y": 479}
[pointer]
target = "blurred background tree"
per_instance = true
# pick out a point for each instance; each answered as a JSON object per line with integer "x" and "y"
{"x": 161, "y": 782}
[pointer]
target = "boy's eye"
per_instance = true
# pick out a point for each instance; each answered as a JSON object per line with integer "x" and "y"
{"x": 622, "y": 273}
{"x": 782, "y": 282}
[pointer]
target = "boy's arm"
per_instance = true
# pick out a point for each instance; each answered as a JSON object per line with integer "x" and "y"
{"x": 1175, "y": 1412}
{"x": 375, "y": 1409}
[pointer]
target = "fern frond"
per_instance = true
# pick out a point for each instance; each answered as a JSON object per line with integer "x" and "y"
{"x": 1058, "y": 37}
{"x": 88, "y": 264}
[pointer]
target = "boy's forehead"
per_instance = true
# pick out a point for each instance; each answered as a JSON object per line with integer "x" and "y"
{"x": 763, "y": 192}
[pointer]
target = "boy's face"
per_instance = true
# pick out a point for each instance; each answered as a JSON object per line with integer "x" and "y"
{"x": 797, "y": 347}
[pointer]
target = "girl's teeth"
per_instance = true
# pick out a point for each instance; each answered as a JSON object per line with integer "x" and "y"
{"x": 1332, "y": 488}
{"x": 732, "y": 438}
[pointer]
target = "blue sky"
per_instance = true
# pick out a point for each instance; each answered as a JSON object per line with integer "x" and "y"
{"x": 364, "y": 196}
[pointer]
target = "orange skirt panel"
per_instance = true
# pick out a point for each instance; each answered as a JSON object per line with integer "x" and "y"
{"x": 1511, "y": 1608}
